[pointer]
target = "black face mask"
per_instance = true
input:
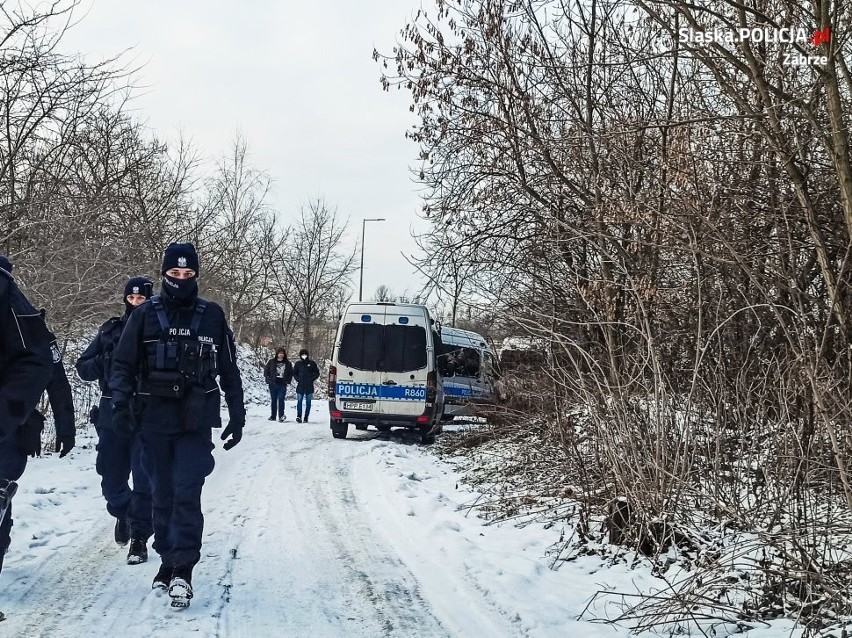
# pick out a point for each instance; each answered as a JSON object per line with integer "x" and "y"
{"x": 180, "y": 289}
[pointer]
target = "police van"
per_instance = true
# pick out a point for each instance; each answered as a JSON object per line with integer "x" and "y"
{"x": 469, "y": 368}
{"x": 384, "y": 370}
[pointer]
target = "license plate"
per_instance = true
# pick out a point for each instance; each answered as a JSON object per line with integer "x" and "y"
{"x": 357, "y": 405}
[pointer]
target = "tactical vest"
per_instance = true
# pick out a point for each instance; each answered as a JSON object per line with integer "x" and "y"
{"x": 178, "y": 359}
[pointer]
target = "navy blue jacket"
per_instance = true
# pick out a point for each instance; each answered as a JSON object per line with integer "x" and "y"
{"x": 305, "y": 373}
{"x": 25, "y": 359}
{"x": 96, "y": 362}
{"x": 199, "y": 407}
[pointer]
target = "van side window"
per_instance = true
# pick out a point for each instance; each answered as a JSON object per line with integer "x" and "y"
{"x": 467, "y": 362}
{"x": 405, "y": 348}
{"x": 474, "y": 362}
{"x": 361, "y": 345}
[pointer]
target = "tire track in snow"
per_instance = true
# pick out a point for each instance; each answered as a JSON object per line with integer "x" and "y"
{"x": 311, "y": 544}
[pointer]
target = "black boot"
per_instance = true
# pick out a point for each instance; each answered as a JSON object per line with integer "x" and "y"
{"x": 163, "y": 577}
{"x": 180, "y": 589}
{"x": 272, "y": 418}
{"x": 305, "y": 420}
{"x": 122, "y": 531}
{"x": 138, "y": 552}
{"x": 7, "y": 491}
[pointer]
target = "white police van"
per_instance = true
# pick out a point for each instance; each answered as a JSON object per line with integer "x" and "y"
{"x": 469, "y": 368}
{"x": 384, "y": 370}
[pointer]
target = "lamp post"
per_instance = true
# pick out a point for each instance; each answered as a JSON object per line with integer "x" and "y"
{"x": 363, "y": 227}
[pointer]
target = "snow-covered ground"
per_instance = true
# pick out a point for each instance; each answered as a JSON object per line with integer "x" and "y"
{"x": 305, "y": 535}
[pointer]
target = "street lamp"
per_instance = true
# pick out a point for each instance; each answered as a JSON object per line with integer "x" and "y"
{"x": 363, "y": 226}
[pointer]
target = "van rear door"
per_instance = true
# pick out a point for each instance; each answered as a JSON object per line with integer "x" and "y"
{"x": 405, "y": 363}
{"x": 358, "y": 359}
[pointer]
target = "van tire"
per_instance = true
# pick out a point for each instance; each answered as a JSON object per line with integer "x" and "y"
{"x": 338, "y": 429}
{"x": 360, "y": 426}
{"x": 383, "y": 428}
{"x": 425, "y": 437}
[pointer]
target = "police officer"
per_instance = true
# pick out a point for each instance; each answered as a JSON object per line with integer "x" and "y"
{"x": 169, "y": 354}
{"x": 120, "y": 456}
{"x": 26, "y": 366}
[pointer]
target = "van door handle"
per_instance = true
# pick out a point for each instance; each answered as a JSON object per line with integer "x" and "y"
{"x": 389, "y": 382}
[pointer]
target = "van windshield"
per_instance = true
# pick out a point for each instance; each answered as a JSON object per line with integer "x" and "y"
{"x": 392, "y": 348}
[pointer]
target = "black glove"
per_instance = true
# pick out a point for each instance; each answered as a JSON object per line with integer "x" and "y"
{"x": 28, "y": 435}
{"x": 94, "y": 413}
{"x": 64, "y": 444}
{"x": 235, "y": 431}
{"x": 122, "y": 420}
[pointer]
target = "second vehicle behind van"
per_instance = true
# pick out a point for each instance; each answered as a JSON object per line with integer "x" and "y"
{"x": 469, "y": 368}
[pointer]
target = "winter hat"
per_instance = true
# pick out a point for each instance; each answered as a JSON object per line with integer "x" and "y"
{"x": 138, "y": 286}
{"x": 5, "y": 264}
{"x": 281, "y": 349}
{"x": 180, "y": 256}
{"x": 302, "y": 351}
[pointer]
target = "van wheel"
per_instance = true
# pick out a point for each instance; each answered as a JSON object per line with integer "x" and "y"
{"x": 383, "y": 428}
{"x": 360, "y": 426}
{"x": 338, "y": 429}
{"x": 425, "y": 437}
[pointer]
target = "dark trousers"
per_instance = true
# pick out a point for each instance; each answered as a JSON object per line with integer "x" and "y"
{"x": 179, "y": 464}
{"x": 118, "y": 459}
{"x": 307, "y": 398}
{"x": 277, "y": 392}
{"x": 13, "y": 462}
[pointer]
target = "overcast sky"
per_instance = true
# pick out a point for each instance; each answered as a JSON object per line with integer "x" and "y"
{"x": 297, "y": 78}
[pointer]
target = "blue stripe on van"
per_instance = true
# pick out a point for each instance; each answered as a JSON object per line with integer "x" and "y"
{"x": 452, "y": 390}
{"x": 370, "y": 391}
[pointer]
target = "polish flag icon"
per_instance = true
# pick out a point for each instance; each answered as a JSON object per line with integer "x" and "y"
{"x": 821, "y": 36}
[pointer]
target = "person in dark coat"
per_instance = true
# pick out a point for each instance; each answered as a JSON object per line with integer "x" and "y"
{"x": 26, "y": 368}
{"x": 305, "y": 372}
{"x": 278, "y": 374}
{"x": 169, "y": 355}
{"x": 120, "y": 457}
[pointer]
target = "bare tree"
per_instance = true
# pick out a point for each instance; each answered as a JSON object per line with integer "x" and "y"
{"x": 239, "y": 236}
{"x": 316, "y": 267}
{"x": 383, "y": 293}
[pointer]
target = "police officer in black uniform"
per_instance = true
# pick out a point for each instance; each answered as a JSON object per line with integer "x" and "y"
{"x": 120, "y": 456}
{"x": 26, "y": 367}
{"x": 169, "y": 355}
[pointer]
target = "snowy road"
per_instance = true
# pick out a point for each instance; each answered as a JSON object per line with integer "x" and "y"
{"x": 305, "y": 535}
{"x": 299, "y": 540}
